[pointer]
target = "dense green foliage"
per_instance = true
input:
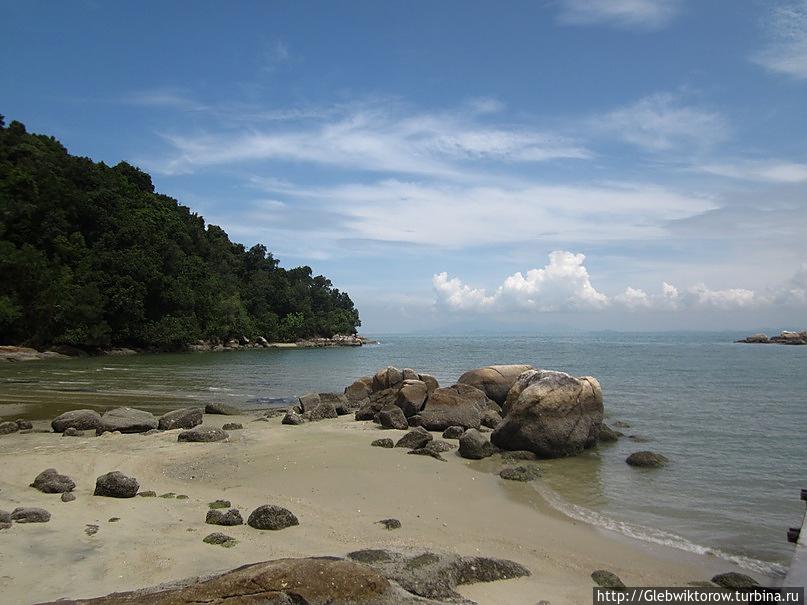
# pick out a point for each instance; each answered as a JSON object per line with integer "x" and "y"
{"x": 91, "y": 256}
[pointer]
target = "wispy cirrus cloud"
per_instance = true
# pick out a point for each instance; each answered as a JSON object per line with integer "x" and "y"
{"x": 663, "y": 122}
{"x": 641, "y": 15}
{"x": 769, "y": 171}
{"x": 786, "y": 51}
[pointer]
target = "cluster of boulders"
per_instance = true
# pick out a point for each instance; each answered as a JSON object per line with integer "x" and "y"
{"x": 234, "y": 344}
{"x": 784, "y": 338}
{"x": 546, "y": 412}
{"x": 12, "y": 426}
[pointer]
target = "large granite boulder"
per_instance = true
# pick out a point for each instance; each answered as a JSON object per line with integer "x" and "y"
{"x": 554, "y": 415}
{"x": 387, "y": 378}
{"x": 50, "y": 481}
{"x": 494, "y": 381}
{"x": 127, "y": 420}
{"x": 457, "y": 405}
{"x": 359, "y": 390}
{"x": 324, "y": 410}
{"x": 186, "y": 418}
{"x": 339, "y": 401}
{"x": 431, "y": 382}
{"x": 308, "y": 402}
{"x": 80, "y": 420}
{"x": 116, "y": 485}
{"x": 392, "y": 418}
{"x": 411, "y": 396}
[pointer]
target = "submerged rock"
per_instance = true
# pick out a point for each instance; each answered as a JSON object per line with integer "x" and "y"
{"x": 646, "y": 459}
{"x": 50, "y": 481}
{"x": 520, "y": 473}
{"x": 8, "y": 427}
{"x": 607, "y": 434}
{"x": 232, "y": 426}
{"x": 426, "y": 451}
{"x": 272, "y": 517}
{"x": 24, "y": 425}
{"x": 71, "y": 432}
{"x": 116, "y": 485}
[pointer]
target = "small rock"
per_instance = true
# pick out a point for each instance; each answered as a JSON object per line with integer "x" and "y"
{"x": 6, "y": 428}
{"x": 292, "y": 418}
{"x": 219, "y": 517}
{"x": 78, "y": 420}
{"x": 607, "y": 579}
{"x": 222, "y": 409}
{"x": 202, "y": 434}
{"x": 168, "y": 495}
{"x": 733, "y": 579}
{"x": 474, "y": 445}
{"x": 186, "y": 418}
{"x": 232, "y": 426}
{"x": 439, "y": 446}
{"x": 426, "y": 451}
{"x": 127, "y": 420}
{"x": 30, "y": 515}
{"x": 147, "y": 494}
{"x": 324, "y": 410}
{"x": 116, "y": 485}
{"x": 453, "y": 432}
{"x": 219, "y": 539}
{"x": 68, "y": 496}
{"x": 4, "y": 525}
{"x": 491, "y": 419}
{"x": 416, "y": 438}
{"x": 182, "y": 497}
{"x": 639, "y": 438}
{"x": 390, "y": 523}
{"x": 386, "y": 442}
{"x": 646, "y": 459}
{"x": 520, "y": 473}
{"x": 114, "y": 519}
{"x": 50, "y": 481}
{"x": 5, "y": 516}
{"x": 219, "y": 504}
{"x": 91, "y": 530}
{"x": 607, "y": 434}
{"x": 71, "y": 432}
{"x": 24, "y": 425}
{"x": 272, "y": 517}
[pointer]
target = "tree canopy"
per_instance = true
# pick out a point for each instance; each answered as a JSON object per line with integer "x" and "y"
{"x": 91, "y": 256}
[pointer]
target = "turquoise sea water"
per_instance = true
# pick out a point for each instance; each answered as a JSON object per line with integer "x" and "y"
{"x": 732, "y": 418}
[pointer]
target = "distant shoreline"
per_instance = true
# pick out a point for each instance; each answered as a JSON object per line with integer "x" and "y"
{"x": 12, "y": 353}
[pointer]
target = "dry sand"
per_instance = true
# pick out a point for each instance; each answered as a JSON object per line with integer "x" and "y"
{"x": 329, "y": 476}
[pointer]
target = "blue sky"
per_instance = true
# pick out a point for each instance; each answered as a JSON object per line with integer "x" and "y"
{"x": 625, "y": 164}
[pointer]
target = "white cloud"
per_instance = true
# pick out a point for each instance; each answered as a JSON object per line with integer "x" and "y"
{"x": 771, "y": 171}
{"x": 563, "y": 284}
{"x": 662, "y": 122}
{"x": 630, "y": 14}
{"x": 378, "y": 139}
{"x": 786, "y": 52}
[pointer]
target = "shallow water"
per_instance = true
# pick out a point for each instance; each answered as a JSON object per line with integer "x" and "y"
{"x": 730, "y": 417}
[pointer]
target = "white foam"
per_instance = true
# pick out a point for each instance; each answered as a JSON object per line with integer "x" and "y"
{"x": 656, "y": 536}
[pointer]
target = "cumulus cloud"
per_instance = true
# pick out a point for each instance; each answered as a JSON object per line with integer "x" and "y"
{"x": 564, "y": 284}
{"x": 786, "y": 52}
{"x": 630, "y": 14}
{"x": 663, "y": 122}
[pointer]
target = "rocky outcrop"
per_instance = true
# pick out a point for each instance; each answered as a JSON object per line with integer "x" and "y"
{"x": 494, "y": 381}
{"x": 202, "y": 434}
{"x": 80, "y": 420}
{"x": 551, "y": 414}
{"x": 50, "y": 481}
{"x": 457, "y": 405}
{"x": 116, "y": 485}
{"x": 647, "y": 459}
{"x": 784, "y": 338}
{"x": 186, "y": 418}
{"x": 127, "y": 420}
{"x": 474, "y": 445}
{"x": 270, "y": 516}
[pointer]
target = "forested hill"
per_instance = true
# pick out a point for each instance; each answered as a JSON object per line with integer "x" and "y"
{"x": 91, "y": 256}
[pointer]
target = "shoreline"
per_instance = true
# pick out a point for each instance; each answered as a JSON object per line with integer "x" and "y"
{"x": 16, "y": 353}
{"x": 329, "y": 476}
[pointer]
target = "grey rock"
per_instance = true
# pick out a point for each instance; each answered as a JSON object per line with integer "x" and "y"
{"x": 127, "y": 420}
{"x": 474, "y": 445}
{"x": 733, "y": 579}
{"x": 518, "y": 455}
{"x": 24, "y": 425}
{"x": 554, "y": 414}
{"x": 607, "y": 434}
{"x": 359, "y": 390}
{"x": 440, "y": 446}
{"x": 219, "y": 539}
{"x": 217, "y": 516}
{"x": 520, "y": 473}
{"x": 339, "y": 401}
{"x": 427, "y": 451}
{"x": 30, "y": 515}
{"x": 411, "y": 396}
{"x": 390, "y": 523}
{"x": 639, "y": 438}
{"x": 606, "y": 579}
{"x": 457, "y": 405}
{"x": 68, "y": 496}
{"x": 453, "y": 432}
{"x": 392, "y": 418}
{"x": 386, "y": 442}
{"x": 387, "y": 378}
{"x": 324, "y": 410}
{"x": 495, "y": 381}
{"x": 222, "y": 409}
{"x": 91, "y": 530}
{"x": 50, "y": 481}
{"x": 186, "y": 418}
{"x": 646, "y": 459}
{"x": 292, "y": 418}
{"x": 147, "y": 494}
{"x": 8, "y": 427}
{"x": 272, "y": 517}
{"x": 232, "y": 426}
{"x": 308, "y": 402}
{"x": 202, "y": 434}
{"x": 71, "y": 432}
{"x": 414, "y": 439}
{"x": 116, "y": 485}
{"x": 431, "y": 382}
{"x": 491, "y": 419}
{"x": 5, "y": 516}
{"x": 78, "y": 420}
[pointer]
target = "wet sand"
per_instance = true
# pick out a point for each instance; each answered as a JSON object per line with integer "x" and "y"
{"x": 329, "y": 476}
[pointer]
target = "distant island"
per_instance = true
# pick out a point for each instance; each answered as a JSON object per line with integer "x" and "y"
{"x": 784, "y": 338}
{"x": 92, "y": 258}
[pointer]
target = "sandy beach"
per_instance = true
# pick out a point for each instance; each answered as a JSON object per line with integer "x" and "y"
{"x": 329, "y": 476}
